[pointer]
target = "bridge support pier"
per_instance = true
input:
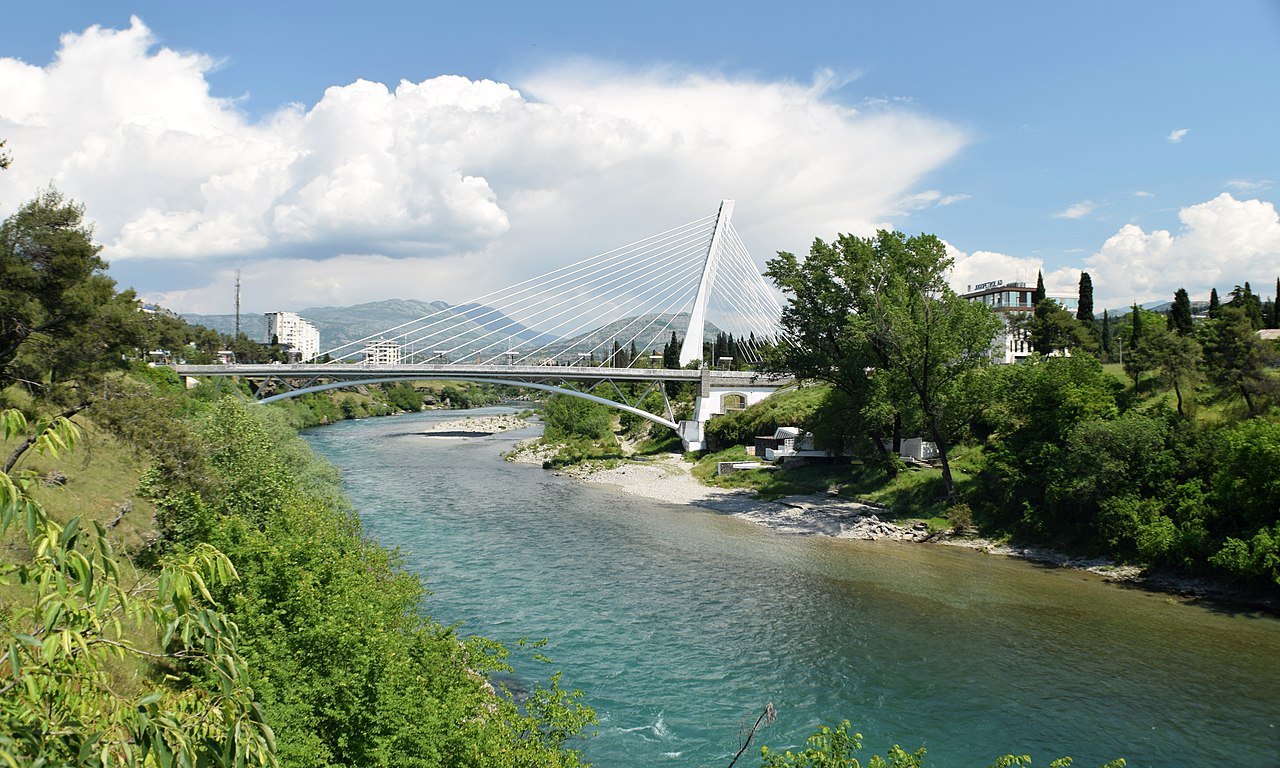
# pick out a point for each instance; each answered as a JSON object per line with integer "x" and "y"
{"x": 717, "y": 399}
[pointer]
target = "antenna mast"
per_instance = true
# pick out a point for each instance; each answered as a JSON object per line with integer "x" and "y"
{"x": 237, "y": 303}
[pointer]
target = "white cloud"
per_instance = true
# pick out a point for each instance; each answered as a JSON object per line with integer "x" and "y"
{"x": 1175, "y": 136}
{"x": 1223, "y": 242}
{"x": 449, "y": 186}
{"x": 1248, "y": 185}
{"x": 930, "y": 198}
{"x": 1076, "y": 210}
{"x": 970, "y": 269}
{"x": 1144, "y": 193}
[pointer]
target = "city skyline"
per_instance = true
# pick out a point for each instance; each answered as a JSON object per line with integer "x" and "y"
{"x": 437, "y": 153}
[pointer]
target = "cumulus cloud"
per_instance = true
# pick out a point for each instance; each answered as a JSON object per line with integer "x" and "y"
{"x": 1222, "y": 243}
{"x": 970, "y": 269}
{"x": 446, "y": 186}
{"x": 1076, "y": 210}
{"x": 1175, "y": 136}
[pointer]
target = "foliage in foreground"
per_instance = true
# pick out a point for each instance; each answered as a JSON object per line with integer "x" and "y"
{"x": 347, "y": 669}
{"x": 76, "y": 616}
{"x": 838, "y": 748}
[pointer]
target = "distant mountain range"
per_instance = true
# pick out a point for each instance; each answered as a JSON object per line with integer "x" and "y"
{"x": 474, "y": 328}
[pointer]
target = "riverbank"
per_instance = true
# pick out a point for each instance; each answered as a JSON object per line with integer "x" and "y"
{"x": 668, "y": 479}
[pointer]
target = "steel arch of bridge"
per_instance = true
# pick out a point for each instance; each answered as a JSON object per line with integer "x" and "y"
{"x": 669, "y": 423}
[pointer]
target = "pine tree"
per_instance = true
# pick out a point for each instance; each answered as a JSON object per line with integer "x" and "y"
{"x": 1135, "y": 336}
{"x": 1084, "y": 312}
{"x": 1214, "y": 305}
{"x": 1180, "y": 313}
{"x": 1039, "y": 294}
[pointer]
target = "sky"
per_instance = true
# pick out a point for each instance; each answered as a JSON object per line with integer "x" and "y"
{"x": 338, "y": 153}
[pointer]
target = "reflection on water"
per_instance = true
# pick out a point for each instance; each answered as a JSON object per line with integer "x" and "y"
{"x": 680, "y": 624}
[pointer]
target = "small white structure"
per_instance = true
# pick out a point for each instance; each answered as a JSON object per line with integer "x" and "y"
{"x": 290, "y": 329}
{"x": 792, "y": 444}
{"x": 382, "y": 352}
{"x": 918, "y": 448}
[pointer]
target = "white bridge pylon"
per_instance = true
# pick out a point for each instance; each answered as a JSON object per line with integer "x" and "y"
{"x": 693, "y": 281}
{"x": 607, "y": 318}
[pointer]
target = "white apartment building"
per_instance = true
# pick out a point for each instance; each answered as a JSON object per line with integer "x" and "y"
{"x": 1010, "y": 300}
{"x": 382, "y": 352}
{"x": 301, "y": 336}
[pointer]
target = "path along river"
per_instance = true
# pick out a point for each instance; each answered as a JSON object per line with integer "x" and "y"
{"x": 680, "y": 623}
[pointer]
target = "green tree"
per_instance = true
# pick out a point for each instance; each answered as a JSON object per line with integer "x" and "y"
{"x": 1038, "y": 295}
{"x": 62, "y": 324}
{"x": 75, "y": 616}
{"x": 1143, "y": 324}
{"x": 1245, "y": 298}
{"x": 1237, "y": 359}
{"x": 567, "y": 417}
{"x": 1053, "y": 329}
{"x": 1214, "y": 304}
{"x": 1084, "y": 312}
{"x": 1175, "y": 359}
{"x": 1180, "y": 313}
{"x": 884, "y": 300}
{"x": 1106, "y": 335}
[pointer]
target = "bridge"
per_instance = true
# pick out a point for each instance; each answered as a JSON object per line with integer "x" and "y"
{"x": 675, "y": 289}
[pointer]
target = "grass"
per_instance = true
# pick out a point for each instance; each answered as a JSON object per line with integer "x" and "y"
{"x": 101, "y": 475}
{"x": 915, "y": 494}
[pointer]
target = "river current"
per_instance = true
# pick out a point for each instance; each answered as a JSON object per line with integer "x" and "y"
{"x": 680, "y": 624}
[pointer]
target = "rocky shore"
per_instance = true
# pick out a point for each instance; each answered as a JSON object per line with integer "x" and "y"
{"x": 476, "y": 426}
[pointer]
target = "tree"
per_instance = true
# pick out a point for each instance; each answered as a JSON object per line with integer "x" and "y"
{"x": 1039, "y": 294}
{"x": 1180, "y": 313}
{"x": 1052, "y": 329}
{"x": 62, "y": 324}
{"x": 1244, "y": 297}
{"x": 1106, "y": 335}
{"x": 75, "y": 616}
{"x": 1275, "y": 307}
{"x": 1175, "y": 359}
{"x": 884, "y": 300}
{"x": 1214, "y": 304}
{"x": 5, "y": 159}
{"x": 1084, "y": 312}
{"x": 671, "y": 353}
{"x": 1238, "y": 359}
{"x": 1143, "y": 325}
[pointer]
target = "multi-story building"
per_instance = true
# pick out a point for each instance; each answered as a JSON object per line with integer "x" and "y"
{"x": 1012, "y": 301}
{"x": 382, "y": 352}
{"x": 299, "y": 335}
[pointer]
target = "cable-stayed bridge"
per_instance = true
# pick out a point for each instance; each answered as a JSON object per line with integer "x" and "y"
{"x": 611, "y": 318}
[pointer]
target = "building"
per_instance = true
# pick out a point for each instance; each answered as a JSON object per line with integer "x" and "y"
{"x": 382, "y": 352}
{"x": 1011, "y": 301}
{"x": 292, "y": 331}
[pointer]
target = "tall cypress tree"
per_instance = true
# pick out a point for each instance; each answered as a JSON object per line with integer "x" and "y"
{"x": 1135, "y": 335}
{"x": 1180, "y": 313}
{"x": 1084, "y": 312}
{"x": 1106, "y": 335}
{"x": 1039, "y": 294}
{"x": 1214, "y": 304}
{"x": 1275, "y": 306}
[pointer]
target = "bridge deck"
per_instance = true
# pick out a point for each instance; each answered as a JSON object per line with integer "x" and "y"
{"x": 360, "y": 371}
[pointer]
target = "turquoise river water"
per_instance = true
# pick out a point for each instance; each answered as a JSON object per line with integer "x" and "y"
{"x": 680, "y": 623}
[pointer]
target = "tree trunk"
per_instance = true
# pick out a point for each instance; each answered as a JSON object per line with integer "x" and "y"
{"x": 891, "y": 466}
{"x": 1178, "y": 391}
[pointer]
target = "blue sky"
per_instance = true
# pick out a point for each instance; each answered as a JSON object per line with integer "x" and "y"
{"x": 1095, "y": 135}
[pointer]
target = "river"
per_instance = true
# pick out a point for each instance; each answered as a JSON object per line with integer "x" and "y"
{"x": 680, "y": 623}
